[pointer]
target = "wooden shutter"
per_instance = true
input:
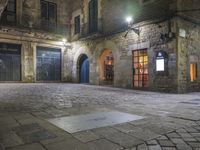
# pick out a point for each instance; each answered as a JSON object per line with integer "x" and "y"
{"x": 93, "y": 15}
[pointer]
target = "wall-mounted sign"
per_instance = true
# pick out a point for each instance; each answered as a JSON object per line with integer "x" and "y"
{"x": 160, "y": 65}
{"x": 161, "y": 59}
{"x": 182, "y": 33}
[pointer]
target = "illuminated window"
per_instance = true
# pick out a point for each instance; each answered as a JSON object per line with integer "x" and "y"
{"x": 160, "y": 65}
{"x": 140, "y": 69}
{"x": 193, "y": 72}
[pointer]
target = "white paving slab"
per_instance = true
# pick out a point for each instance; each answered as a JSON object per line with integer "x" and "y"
{"x": 78, "y": 123}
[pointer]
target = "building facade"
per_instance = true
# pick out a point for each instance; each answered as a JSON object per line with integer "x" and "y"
{"x": 157, "y": 51}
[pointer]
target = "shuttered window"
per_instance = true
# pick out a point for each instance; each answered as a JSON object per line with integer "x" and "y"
{"x": 48, "y": 12}
{"x": 9, "y": 15}
{"x": 77, "y": 25}
{"x": 93, "y": 16}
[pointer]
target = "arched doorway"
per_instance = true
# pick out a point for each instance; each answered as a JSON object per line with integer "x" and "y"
{"x": 83, "y": 69}
{"x": 106, "y": 67}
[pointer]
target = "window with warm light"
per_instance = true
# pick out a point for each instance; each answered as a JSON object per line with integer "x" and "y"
{"x": 160, "y": 64}
{"x": 193, "y": 72}
{"x": 140, "y": 69}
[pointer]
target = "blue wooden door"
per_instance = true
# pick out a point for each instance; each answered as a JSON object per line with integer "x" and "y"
{"x": 84, "y": 72}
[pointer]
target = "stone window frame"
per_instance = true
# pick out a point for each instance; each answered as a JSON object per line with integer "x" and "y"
{"x": 75, "y": 14}
{"x": 93, "y": 28}
{"x": 56, "y": 11}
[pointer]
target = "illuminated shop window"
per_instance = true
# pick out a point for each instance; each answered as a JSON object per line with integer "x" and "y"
{"x": 161, "y": 62}
{"x": 160, "y": 65}
{"x": 140, "y": 69}
{"x": 193, "y": 72}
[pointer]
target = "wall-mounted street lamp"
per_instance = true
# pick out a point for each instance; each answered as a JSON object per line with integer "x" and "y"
{"x": 131, "y": 27}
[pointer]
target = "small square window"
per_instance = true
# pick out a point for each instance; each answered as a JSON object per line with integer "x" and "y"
{"x": 193, "y": 72}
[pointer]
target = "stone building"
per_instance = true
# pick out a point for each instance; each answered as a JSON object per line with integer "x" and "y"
{"x": 157, "y": 50}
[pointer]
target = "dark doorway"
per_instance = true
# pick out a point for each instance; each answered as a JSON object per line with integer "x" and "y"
{"x": 84, "y": 69}
{"x": 48, "y": 64}
{"x": 10, "y": 62}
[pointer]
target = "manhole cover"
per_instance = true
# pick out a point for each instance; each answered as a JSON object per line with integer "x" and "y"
{"x": 74, "y": 124}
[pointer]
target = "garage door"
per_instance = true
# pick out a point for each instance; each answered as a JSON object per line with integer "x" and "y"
{"x": 48, "y": 64}
{"x": 10, "y": 62}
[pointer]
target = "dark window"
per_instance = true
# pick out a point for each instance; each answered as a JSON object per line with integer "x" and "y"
{"x": 9, "y": 15}
{"x": 93, "y": 16}
{"x": 77, "y": 25}
{"x": 48, "y": 14}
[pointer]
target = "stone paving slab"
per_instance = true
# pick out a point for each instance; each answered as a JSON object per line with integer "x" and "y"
{"x": 86, "y": 136}
{"x": 103, "y": 144}
{"x": 34, "y": 146}
{"x": 78, "y": 123}
{"x": 32, "y": 133}
{"x": 69, "y": 144}
{"x": 172, "y": 122}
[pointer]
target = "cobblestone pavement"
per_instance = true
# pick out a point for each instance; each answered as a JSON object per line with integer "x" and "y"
{"x": 172, "y": 121}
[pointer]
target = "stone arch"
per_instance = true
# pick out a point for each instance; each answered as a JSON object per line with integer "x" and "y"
{"x": 83, "y": 69}
{"x": 106, "y": 67}
{"x": 102, "y": 49}
{"x": 79, "y": 52}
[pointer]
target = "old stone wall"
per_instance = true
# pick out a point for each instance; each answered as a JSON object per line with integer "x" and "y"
{"x": 114, "y": 13}
{"x": 28, "y": 13}
{"x": 30, "y": 33}
{"x": 153, "y": 20}
{"x": 188, "y": 50}
{"x": 122, "y": 48}
{"x": 188, "y": 26}
{"x": 29, "y": 42}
